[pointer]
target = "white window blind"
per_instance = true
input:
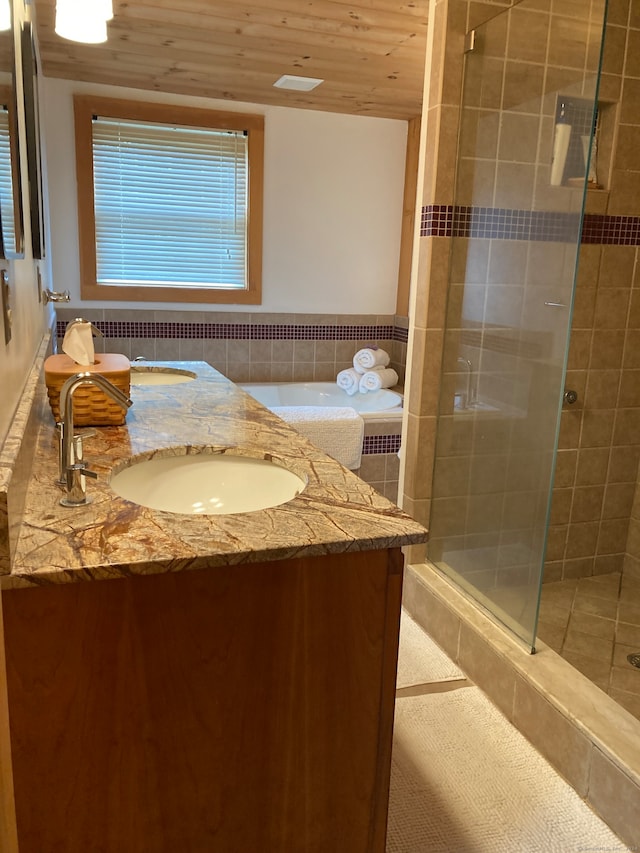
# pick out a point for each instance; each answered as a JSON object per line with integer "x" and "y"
{"x": 6, "y": 182}
{"x": 170, "y": 205}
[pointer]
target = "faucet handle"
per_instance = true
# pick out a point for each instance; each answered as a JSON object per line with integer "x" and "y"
{"x": 82, "y": 468}
{"x": 77, "y": 450}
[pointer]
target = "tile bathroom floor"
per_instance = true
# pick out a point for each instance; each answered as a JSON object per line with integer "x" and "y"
{"x": 464, "y": 780}
{"x": 594, "y": 623}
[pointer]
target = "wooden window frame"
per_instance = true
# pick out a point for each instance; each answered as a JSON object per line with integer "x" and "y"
{"x": 85, "y": 107}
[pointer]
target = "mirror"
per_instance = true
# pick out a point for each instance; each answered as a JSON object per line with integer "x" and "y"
{"x": 32, "y": 128}
{"x": 11, "y": 212}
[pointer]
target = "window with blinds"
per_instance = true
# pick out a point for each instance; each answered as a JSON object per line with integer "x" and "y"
{"x": 170, "y": 202}
{"x": 6, "y": 182}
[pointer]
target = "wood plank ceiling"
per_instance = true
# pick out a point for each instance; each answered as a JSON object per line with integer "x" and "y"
{"x": 370, "y": 53}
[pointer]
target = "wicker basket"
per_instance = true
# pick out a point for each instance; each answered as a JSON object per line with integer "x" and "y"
{"x": 91, "y": 406}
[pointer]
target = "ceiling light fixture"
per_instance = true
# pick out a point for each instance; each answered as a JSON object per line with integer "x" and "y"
{"x": 297, "y": 84}
{"x": 5, "y": 15}
{"x": 83, "y": 20}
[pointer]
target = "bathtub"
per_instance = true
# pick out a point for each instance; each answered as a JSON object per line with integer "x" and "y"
{"x": 380, "y": 410}
{"x": 383, "y": 404}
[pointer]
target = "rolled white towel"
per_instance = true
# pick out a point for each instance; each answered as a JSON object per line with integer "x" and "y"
{"x": 348, "y": 380}
{"x": 370, "y": 358}
{"x": 374, "y": 380}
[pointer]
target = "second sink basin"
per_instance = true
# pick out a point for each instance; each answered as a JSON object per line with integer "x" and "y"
{"x": 207, "y": 483}
{"x": 160, "y": 375}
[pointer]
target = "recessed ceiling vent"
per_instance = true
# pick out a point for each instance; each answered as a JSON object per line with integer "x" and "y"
{"x": 298, "y": 84}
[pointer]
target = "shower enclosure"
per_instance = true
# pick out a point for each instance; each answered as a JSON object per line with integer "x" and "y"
{"x": 529, "y": 107}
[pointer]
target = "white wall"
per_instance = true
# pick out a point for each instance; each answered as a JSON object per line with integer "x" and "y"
{"x": 333, "y": 204}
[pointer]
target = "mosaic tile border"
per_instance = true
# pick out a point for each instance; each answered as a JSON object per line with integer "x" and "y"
{"x": 244, "y": 331}
{"x": 441, "y": 220}
{"x": 380, "y": 444}
{"x": 611, "y": 230}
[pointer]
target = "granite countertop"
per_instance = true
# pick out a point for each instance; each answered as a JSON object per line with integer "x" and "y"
{"x": 111, "y": 537}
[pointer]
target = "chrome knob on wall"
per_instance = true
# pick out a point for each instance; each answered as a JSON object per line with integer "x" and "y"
{"x": 56, "y": 296}
{"x": 570, "y": 396}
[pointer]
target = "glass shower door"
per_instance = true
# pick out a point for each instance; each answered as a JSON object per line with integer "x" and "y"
{"x": 529, "y": 106}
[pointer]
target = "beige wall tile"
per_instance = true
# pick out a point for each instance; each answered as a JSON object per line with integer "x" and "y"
{"x": 602, "y": 389}
{"x": 632, "y": 349}
{"x": 523, "y": 87}
{"x": 419, "y": 444}
{"x": 632, "y": 58}
{"x": 629, "y": 394}
{"x": 625, "y": 157}
{"x": 627, "y": 428}
{"x": 584, "y": 308}
{"x": 634, "y": 310}
{"x": 303, "y": 371}
{"x": 454, "y": 52}
{"x": 612, "y": 305}
{"x": 452, "y": 475}
{"x": 432, "y": 130}
{"x": 283, "y": 372}
{"x": 608, "y": 563}
{"x": 625, "y": 187}
{"x": 436, "y": 618}
{"x": 618, "y": 500}
{"x": 612, "y": 536}
{"x": 239, "y": 371}
{"x": 438, "y": 282}
{"x": 444, "y": 179}
{"x": 592, "y": 466}
{"x": 566, "y": 465}
{"x": 515, "y": 183}
{"x": 617, "y": 266}
{"x": 259, "y": 372}
{"x": 587, "y": 503}
{"x": 614, "y": 797}
{"x": 579, "y": 567}
{"x": 553, "y": 735}
{"x": 582, "y": 539}
{"x": 580, "y": 349}
{"x": 568, "y": 38}
{"x": 607, "y": 349}
{"x": 630, "y": 103}
{"x": 487, "y": 668}
{"x": 239, "y": 351}
{"x": 623, "y": 467}
{"x": 610, "y": 87}
{"x": 556, "y": 539}
{"x": 597, "y": 428}
{"x": 614, "y": 47}
{"x": 618, "y": 12}
{"x": 528, "y": 38}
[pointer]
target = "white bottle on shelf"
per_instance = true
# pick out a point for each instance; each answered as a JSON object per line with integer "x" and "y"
{"x": 560, "y": 148}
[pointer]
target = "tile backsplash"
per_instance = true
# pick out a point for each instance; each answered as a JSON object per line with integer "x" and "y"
{"x": 248, "y": 347}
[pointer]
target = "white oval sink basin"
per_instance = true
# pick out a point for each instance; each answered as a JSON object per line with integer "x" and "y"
{"x": 160, "y": 376}
{"x": 207, "y": 484}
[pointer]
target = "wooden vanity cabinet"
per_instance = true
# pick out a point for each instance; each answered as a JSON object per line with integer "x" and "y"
{"x": 234, "y": 709}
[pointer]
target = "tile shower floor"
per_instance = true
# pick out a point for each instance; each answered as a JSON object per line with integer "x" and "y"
{"x": 594, "y": 623}
{"x": 464, "y": 780}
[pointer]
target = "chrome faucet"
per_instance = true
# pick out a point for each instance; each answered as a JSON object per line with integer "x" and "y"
{"x": 468, "y": 397}
{"x": 72, "y": 467}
